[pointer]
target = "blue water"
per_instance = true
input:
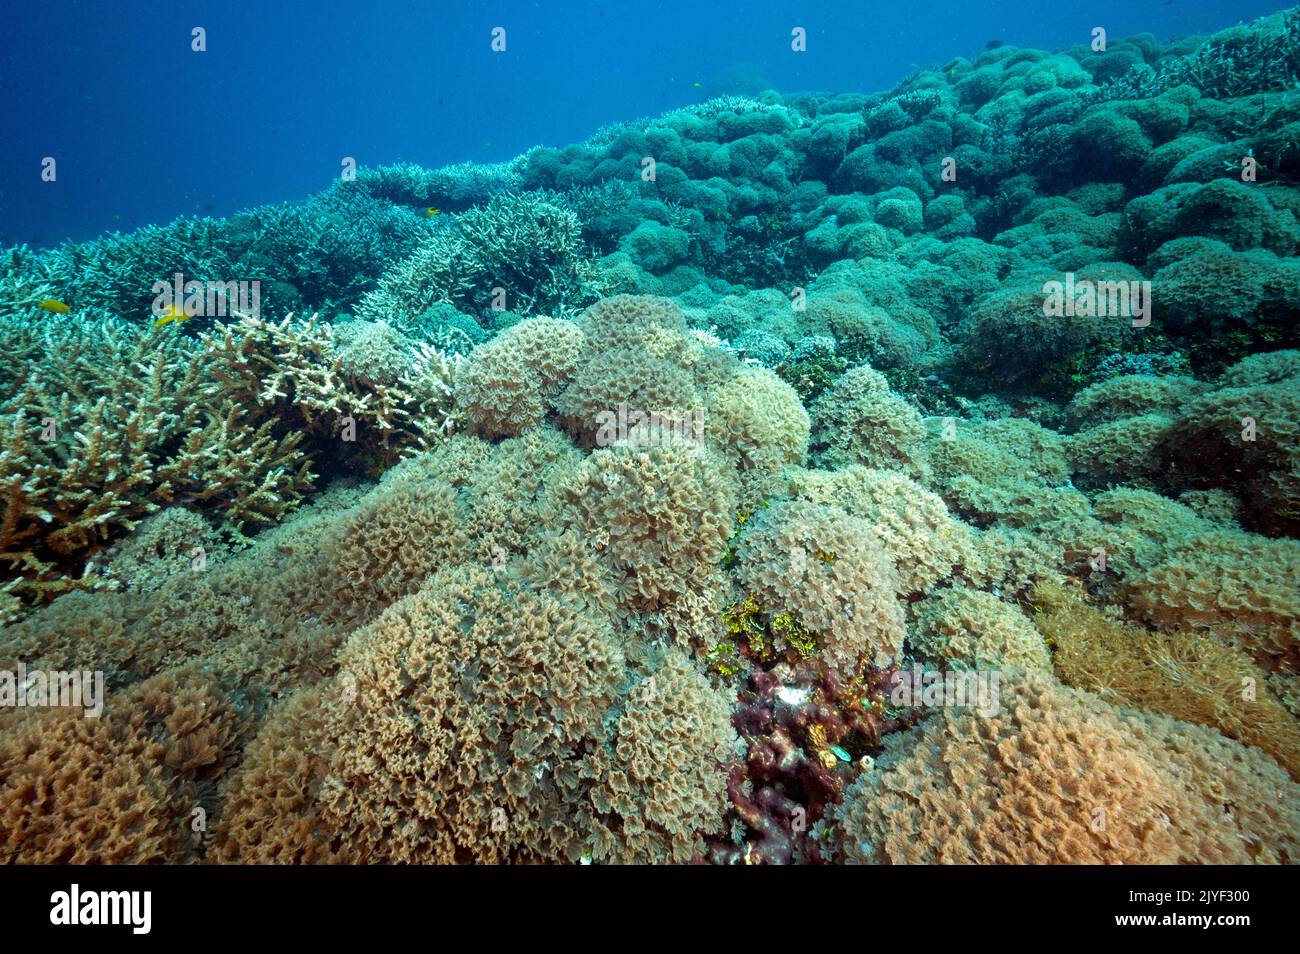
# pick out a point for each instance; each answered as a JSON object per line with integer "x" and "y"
{"x": 144, "y": 129}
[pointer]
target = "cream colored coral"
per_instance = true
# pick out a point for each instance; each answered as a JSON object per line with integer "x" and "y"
{"x": 478, "y": 720}
{"x": 1057, "y": 776}
{"x": 372, "y": 351}
{"x": 912, "y": 523}
{"x": 1120, "y": 450}
{"x": 1241, "y": 586}
{"x": 968, "y": 629}
{"x": 507, "y": 385}
{"x": 830, "y": 572}
{"x": 1131, "y": 395}
{"x": 858, "y": 420}
{"x": 756, "y": 420}
{"x": 661, "y": 516}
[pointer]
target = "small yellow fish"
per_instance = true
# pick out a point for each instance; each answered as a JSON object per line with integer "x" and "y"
{"x": 431, "y": 212}
{"x": 696, "y": 85}
{"x": 54, "y": 305}
{"x": 173, "y": 314}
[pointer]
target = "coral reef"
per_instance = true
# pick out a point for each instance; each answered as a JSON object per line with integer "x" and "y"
{"x": 547, "y": 511}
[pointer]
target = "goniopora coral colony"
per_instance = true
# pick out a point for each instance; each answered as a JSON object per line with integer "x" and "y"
{"x": 366, "y": 583}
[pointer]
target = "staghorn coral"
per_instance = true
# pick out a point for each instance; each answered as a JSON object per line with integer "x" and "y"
{"x": 103, "y": 425}
{"x": 525, "y": 244}
{"x": 293, "y": 374}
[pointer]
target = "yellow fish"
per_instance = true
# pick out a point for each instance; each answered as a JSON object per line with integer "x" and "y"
{"x": 173, "y": 314}
{"x": 696, "y": 85}
{"x": 431, "y": 212}
{"x": 54, "y": 305}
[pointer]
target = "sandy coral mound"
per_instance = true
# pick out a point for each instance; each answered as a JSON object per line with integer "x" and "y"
{"x": 492, "y": 723}
{"x": 1058, "y": 776}
{"x": 968, "y": 628}
{"x": 506, "y": 386}
{"x": 757, "y": 420}
{"x": 828, "y": 571}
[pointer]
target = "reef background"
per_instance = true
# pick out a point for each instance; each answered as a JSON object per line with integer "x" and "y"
{"x": 148, "y": 131}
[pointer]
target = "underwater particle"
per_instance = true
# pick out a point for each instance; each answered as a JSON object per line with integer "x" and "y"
{"x": 792, "y": 695}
